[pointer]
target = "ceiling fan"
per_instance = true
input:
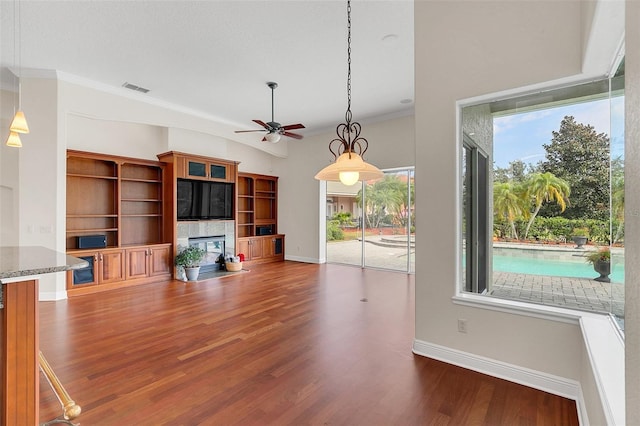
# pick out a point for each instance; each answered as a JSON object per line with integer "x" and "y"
{"x": 274, "y": 129}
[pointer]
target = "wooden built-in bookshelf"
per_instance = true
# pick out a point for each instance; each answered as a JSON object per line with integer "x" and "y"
{"x": 120, "y": 199}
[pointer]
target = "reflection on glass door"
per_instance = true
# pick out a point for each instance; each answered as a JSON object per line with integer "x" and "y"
{"x": 371, "y": 224}
{"x": 344, "y": 224}
{"x": 388, "y": 221}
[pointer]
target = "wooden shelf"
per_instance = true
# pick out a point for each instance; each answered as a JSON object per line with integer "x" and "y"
{"x": 90, "y": 215}
{"x": 91, "y": 176}
{"x": 90, "y": 230}
{"x": 141, "y": 180}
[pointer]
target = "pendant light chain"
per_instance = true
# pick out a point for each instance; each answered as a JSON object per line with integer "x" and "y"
{"x": 348, "y": 115}
{"x": 349, "y": 147}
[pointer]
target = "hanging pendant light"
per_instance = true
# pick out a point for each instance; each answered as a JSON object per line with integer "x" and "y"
{"x": 14, "y": 140}
{"x": 348, "y": 148}
{"x": 19, "y": 122}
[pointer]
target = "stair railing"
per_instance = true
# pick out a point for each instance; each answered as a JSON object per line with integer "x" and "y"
{"x": 70, "y": 410}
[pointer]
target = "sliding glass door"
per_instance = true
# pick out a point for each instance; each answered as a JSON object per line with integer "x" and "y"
{"x": 371, "y": 224}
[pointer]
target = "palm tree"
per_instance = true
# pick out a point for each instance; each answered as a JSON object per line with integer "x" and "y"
{"x": 617, "y": 204}
{"x": 382, "y": 197}
{"x": 508, "y": 203}
{"x": 546, "y": 187}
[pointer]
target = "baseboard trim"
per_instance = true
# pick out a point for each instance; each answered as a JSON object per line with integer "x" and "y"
{"x": 301, "y": 259}
{"x": 556, "y": 385}
{"x": 50, "y": 296}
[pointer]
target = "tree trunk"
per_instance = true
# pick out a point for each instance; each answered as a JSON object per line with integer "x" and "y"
{"x": 513, "y": 230}
{"x": 533, "y": 217}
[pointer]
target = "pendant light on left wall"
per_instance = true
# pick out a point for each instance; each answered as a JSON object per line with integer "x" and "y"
{"x": 19, "y": 122}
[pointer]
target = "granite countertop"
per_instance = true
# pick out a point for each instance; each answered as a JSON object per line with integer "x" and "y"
{"x": 26, "y": 261}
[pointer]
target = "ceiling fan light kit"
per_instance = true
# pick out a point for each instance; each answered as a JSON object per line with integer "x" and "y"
{"x": 272, "y": 137}
{"x": 349, "y": 147}
{"x": 274, "y": 129}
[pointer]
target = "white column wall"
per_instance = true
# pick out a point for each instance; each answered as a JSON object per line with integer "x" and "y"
{"x": 41, "y": 178}
{"x": 9, "y": 188}
{"x": 632, "y": 210}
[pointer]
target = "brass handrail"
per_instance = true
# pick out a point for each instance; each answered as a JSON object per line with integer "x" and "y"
{"x": 70, "y": 409}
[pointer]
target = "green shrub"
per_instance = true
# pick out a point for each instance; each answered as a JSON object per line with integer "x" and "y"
{"x": 343, "y": 218}
{"x": 333, "y": 231}
{"x": 556, "y": 228}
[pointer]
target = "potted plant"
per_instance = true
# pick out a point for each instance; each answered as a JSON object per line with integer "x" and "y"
{"x": 580, "y": 236}
{"x": 189, "y": 259}
{"x": 601, "y": 261}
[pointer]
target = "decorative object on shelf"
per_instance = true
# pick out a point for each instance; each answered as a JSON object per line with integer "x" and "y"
{"x": 189, "y": 259}
{"x": 601, "y": 261}
{"x": 274, "y": 129}
{"x": 580, "y": 237}
{"x": 349, "y": 166}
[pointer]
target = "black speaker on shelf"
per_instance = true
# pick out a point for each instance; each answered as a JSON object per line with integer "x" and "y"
{"x": 263, "y": 230}
{"x": 92, "y": 241}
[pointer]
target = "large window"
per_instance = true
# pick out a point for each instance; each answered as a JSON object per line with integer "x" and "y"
{"x": 543, "y": 197}
{"x": 371, "y": 224}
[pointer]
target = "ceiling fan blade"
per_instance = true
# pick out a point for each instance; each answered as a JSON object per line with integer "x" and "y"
{"x": 247, "y": 131}
{"x": 293, "y": 135}
{"x": 293, "y": 126}
{"x": 262, "y": 123}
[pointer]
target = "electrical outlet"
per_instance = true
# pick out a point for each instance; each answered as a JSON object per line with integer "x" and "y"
{"x": 462, "y": 325}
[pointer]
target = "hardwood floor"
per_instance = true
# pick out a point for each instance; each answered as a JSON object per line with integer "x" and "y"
{"x": 287, "y": 343}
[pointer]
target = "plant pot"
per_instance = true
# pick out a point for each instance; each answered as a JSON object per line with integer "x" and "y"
{"x": 604, "y": 269}
{"x": 580, "y": 241}
{"x": 192, "y": 273}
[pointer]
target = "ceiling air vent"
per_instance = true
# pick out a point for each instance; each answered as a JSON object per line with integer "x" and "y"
{"x": 134, "y": 87}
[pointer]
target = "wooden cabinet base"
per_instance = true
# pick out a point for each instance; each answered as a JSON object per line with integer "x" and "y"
{"x": 115, "y": 268}
{"x": 262, "y": 249}
{"x": 19, "y": 356}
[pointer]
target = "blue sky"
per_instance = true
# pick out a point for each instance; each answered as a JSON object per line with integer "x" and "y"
{"x": 520, "y": 136}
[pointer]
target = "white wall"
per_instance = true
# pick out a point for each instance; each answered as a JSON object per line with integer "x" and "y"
{"x": 41, "y": 178}
{"x": 114, "y": 137}
{"x": 490, "y": 47}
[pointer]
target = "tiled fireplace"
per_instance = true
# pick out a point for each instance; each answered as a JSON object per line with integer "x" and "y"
{"x": 215, "y": 236}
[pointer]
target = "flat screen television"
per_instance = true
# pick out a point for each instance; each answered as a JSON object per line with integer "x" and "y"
{"x": 200, "y": 200}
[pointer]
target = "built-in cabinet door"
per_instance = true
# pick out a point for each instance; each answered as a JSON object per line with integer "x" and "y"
{"x": 256, "y": 249}
{"x": 137, "y": 262}
{"x": 273, "y": 246}
{"x": 243, "y": 247}
{"x": 148, "y": 261}
{"x": 87, "y": 276}
{"x": 111, "y": 266}
{"x": 268, "y": 246}
{"x": 251, "y": 248}
{"x": 160, "y": 260}
{"x": 206, "y": 170}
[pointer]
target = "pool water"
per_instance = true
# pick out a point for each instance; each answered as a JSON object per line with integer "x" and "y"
{"x": 558, "y": 268}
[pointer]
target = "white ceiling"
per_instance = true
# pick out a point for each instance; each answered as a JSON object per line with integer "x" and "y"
{"x": 215, "y": 57}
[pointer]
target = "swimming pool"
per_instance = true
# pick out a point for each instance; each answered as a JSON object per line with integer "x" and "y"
{"x": 577, "y": 268}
